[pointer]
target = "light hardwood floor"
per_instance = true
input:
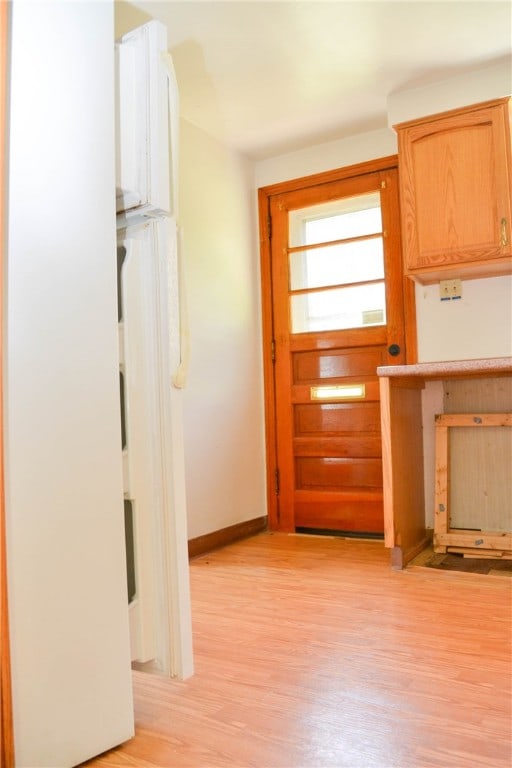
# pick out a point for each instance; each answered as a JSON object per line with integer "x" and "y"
{"x": 312, "y": 652}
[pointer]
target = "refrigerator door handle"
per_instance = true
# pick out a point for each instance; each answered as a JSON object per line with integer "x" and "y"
{"x": 179, "y": 379}
{"x": 173, "y": 105}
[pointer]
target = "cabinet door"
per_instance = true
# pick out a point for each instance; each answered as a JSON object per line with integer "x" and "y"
{"x": 455, "y": 192}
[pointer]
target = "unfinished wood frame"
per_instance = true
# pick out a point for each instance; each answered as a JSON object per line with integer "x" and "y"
{"x": 492, "y": 543}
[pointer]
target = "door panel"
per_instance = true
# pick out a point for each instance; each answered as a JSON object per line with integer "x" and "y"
{"x": 340, "y": 514}
{"x": 335, "y": 363}
{"x": 335, "y": 249}
{"x": 328, "y": 473}
{"x": 328, "y": 418}
{"x": 342, "y": 447}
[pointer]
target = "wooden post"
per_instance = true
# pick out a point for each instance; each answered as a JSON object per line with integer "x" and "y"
{"x": 441, "y": 487}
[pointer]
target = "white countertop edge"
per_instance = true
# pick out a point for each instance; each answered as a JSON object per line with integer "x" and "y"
{"x": 486, "y": 365}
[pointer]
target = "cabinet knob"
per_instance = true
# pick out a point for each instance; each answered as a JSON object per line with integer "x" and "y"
{"x": 394, "y": 350}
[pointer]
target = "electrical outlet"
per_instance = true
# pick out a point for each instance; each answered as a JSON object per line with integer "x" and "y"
{"x": 450, "y": 290}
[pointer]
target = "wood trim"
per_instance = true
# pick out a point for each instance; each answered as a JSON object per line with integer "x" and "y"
{"x": 210, "y": 541}
{"x": 6, "y": 724}
{"x": 326, "y": 177}
{"x": 268, "y": 363}
{"x": 452, "y": 112}
{"x": 411, "y": 334}
{"x": 475, "y": 420}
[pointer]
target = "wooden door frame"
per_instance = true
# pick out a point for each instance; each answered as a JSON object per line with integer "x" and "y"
{"x": 6, "y": 726}
{"x": 264, "y": 196}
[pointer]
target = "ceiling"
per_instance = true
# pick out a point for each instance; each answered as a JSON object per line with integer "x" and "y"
{"x": 267, "y": 78}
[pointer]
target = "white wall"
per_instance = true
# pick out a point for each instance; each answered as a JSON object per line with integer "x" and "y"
{"x": 65, "y": 529}
{"x": 475, "y": 326}
{"x": 224, "y": 418}
{"x": 326, "y": 157}
{"x": 491, "y": 82}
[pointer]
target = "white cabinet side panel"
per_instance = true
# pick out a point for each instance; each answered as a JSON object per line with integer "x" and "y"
{"x": 66, "y": 557}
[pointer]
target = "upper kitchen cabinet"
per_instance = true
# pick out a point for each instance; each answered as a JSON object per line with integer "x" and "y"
{"x": 455, "y": 178}
{"x": 146, "y": 116}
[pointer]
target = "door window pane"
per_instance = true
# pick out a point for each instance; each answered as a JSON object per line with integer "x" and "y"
{"x": 338, "y": 308}
{"x": 335, "y": 220}
{"x": 338, "y": 244}
{"x": 338, "y": 264}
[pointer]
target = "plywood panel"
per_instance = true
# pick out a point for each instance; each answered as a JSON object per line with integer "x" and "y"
{"x": 481, "y": 478}
{"x": 480, "y": 460}
{"x": 492, "y": 395}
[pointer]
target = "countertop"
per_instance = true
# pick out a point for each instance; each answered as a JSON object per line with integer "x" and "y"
{"x": 486, "y": 367}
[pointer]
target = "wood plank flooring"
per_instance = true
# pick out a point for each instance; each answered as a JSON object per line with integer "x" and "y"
{"x": 312, "y": 652}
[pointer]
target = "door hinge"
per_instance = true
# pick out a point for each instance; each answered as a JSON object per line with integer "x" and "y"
{"x": 273, "y": 350}
{"x": 269, "y": 226}
{"x": 276, "y": 481}
{"x": 383, "y": 184}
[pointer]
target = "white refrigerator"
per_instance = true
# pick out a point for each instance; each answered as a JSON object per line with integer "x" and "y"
{"x": 152, "y": 353}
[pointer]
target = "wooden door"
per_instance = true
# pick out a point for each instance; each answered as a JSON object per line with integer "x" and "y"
{"x": 335, "y": 311}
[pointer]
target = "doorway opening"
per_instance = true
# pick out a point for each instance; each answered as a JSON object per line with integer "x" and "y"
{"x": 336, "y": 305}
